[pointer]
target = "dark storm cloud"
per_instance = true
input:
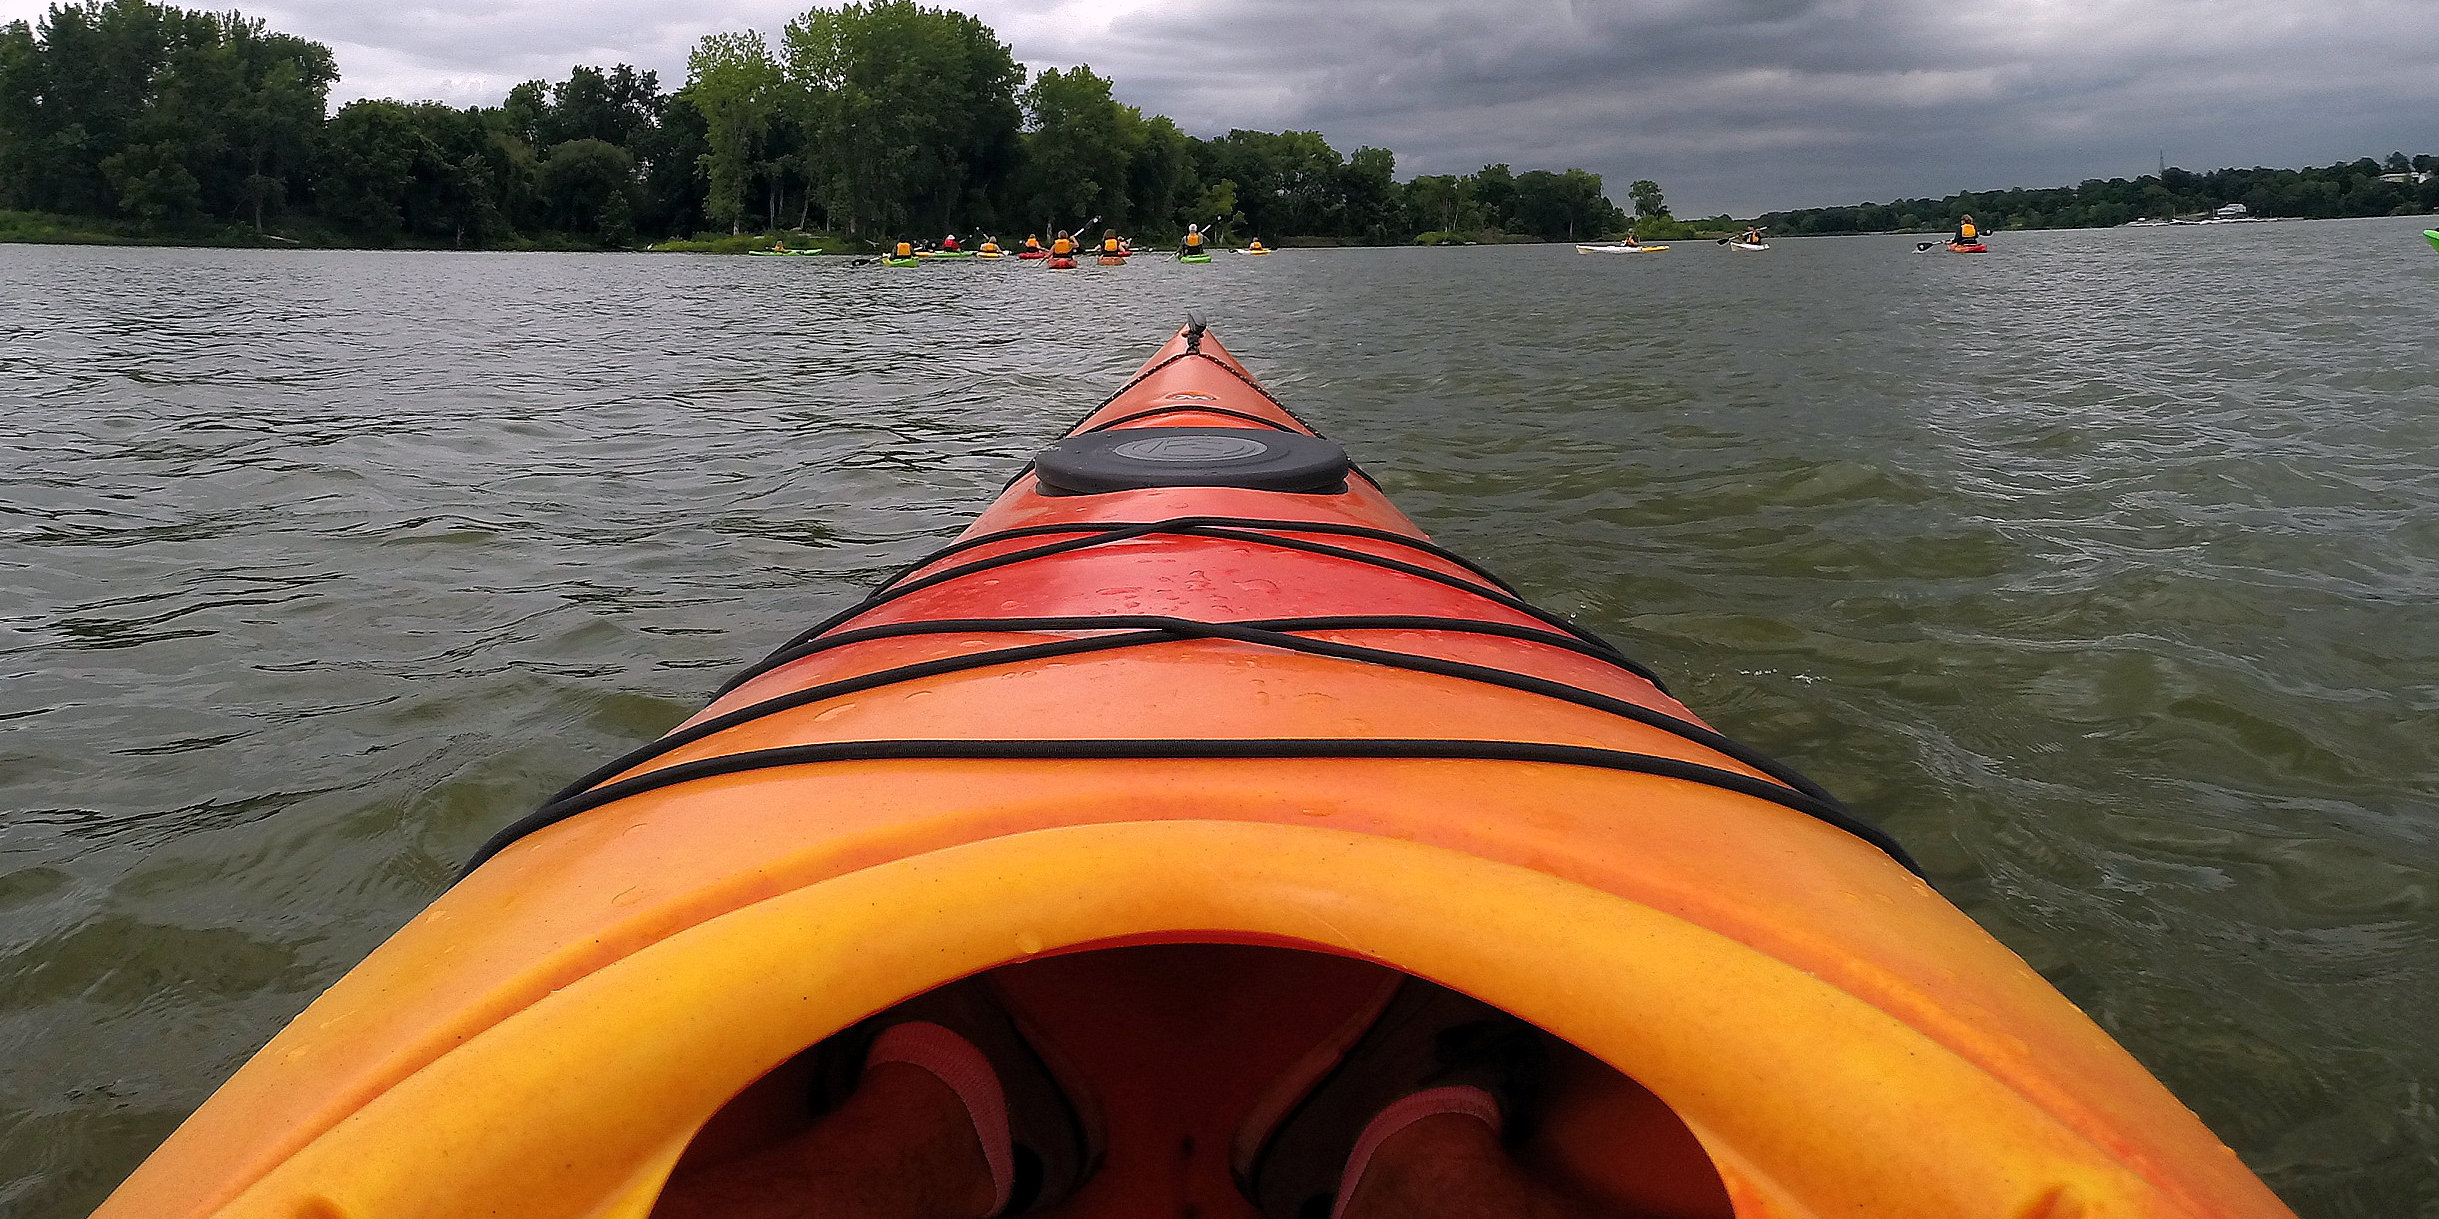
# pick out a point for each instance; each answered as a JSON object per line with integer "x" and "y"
{"x": 1733, "y": 105}
{"x": 1744, "y": 104}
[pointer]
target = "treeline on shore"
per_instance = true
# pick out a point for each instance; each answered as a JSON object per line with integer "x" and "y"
{"x": 2399, "y": 186}
{"x": 869, "y": 121}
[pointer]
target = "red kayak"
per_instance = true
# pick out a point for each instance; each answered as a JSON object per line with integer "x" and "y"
{"x": 1030, "y": 255}
{"x": 1975, "y": 248}
{"x": 1062, "y": 264}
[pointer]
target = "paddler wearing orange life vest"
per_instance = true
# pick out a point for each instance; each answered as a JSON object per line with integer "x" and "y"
{"x": 1193, "y": 243}
{"x": 1062, "y": 246}
{"x": 1033, "y": 244}
{"x": 989, "y": 246}
{"x": 904, "y": 249}
{"x": 1111, "y": 247}
{"x": 1966, "y": 233}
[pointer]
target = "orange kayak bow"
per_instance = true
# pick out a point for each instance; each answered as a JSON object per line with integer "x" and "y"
{"x": 1195, "y": 743}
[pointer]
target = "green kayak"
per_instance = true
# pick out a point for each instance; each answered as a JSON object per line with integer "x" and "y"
{"x": 2431, "y": 236}
{"x": 1194, "y": 258}
{"x": 901, "y": 262}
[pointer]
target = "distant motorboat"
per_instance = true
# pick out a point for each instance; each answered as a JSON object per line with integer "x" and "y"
{"x": 2230, "y": 213}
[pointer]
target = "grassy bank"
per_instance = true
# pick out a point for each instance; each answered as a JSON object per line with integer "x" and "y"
{"x": 294, "y": 233}
{"x": 743, "y": 243}
{"x": 46, "y": 229}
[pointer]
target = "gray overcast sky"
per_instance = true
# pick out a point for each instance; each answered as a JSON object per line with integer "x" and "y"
{"x": 1732, "y": 105}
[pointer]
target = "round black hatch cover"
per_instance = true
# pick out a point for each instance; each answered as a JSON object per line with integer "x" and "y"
{"x": 1128, "y": 458}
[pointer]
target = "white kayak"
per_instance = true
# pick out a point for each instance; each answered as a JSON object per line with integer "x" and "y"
{"x": 1614, "y": 248}
{"x": 1748, "y": 245}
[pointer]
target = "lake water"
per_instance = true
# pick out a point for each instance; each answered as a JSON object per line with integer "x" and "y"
{"x": 2102, "y": 569}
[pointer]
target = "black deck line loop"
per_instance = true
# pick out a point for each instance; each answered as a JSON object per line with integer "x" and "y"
{"x": 1425, "y": 545}
{"x": 877, "y": 679}
{"x": 1182, "y": 407}
{"x": 1102, "y": 533}
{"x": 1366, "y": 748}
{"x": 1155, "y": 629}
{"x": 1085, "y": 622}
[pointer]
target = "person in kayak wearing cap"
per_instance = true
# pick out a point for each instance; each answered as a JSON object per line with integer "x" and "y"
{"x": 1193, "y": 243}
{"x": 1966, "y": 233}
{"x": 949, "y": 1099}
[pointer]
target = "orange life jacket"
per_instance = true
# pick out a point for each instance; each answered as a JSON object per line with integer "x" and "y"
{"x": 1062, "y": 247}
{"x": 906, "y": 249}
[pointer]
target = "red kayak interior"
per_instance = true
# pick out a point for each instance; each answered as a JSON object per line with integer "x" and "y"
{"x": 1177, "y": 1043}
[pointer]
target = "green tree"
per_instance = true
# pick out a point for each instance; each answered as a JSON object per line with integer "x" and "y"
{"x": 1495, "y": 191}
{"x": 153, "y": 183}
{"x": 1160, "y": 176}
{"x": 1648, "y": 203}
{"x": 369, "y": 156}
{"x": 1566, "y": 206}
{"x": 1370, "y": 210}
{"x": 910, "y": 114}
{"x": 733, "y": 81}
{"x": 160, "y": 113}
{"x": 670, "y": 156}
{"x": 587, "y": 187}
{"x": 1077, "y": 150}
{"x": 612, "y": 107}
{"x": 1214, "y": 204}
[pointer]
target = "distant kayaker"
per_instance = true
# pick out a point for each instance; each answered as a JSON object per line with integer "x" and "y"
{"x": 1751, "y": 237}
{"x": 1111, "y": 247}
{"x": 949, "y": 242}
{"x": 1254, "y": 246}
{"x": 1062, "y": 246}
{"x": 1628, "y": 239}
{"x": 1966, "y": 233}
{"x": 988, "y": 245}
{"x": 1193, "y": 244}
{"x": 905, "y": 249}
{"x": 1033, "y": 243}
